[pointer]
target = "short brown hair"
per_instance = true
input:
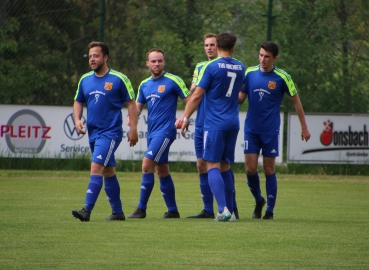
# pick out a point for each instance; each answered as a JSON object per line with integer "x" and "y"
{"x": 209, "y": 35}
{"x": 226, "y": 41}
{"x": 102, "y": 45}
{"x": 270, "y": 46}
{"x": 154, "y": 50}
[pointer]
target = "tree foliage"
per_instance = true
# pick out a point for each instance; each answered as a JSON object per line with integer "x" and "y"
{"x": 324, "y": 45}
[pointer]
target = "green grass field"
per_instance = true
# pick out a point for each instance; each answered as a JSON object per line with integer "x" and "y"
{"x": 321, "y": 222}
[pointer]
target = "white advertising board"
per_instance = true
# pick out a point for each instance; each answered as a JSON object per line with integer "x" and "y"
{"x": 49, "y": 132}
{"x": 335, "y": 139}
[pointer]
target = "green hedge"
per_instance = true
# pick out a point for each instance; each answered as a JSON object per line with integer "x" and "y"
{"x": 83, "y": 164}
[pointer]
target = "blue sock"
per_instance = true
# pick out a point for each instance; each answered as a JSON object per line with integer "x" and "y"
{"x": 216, "y": 184}
{"x": 147, "y": 184}
{"x": 234, "y": 190}
{"x": 253, "y": 181}
{"x": 271, "y": 190}
{"x": 169, "y": 193}
{"x": 207, "y": 195}
{"x": 228, "y": 188}
{"x": 112, "y": 190}
{"x": 93, "y": 191}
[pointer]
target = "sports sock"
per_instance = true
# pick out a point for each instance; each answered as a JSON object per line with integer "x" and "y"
{"x": 168, "y": 192}
{"x": 112, "y": 190}
{"x": 93, "y": 191}
{"x": 253, "y": 181}
{"x": 234, "y": 190}
{"x": 228, "y": 188}
{"x": 216, "y": 184}
{"x": 147, "y": 184}
{"x": 271, "y": 190}
{"x": 207, "y": 195}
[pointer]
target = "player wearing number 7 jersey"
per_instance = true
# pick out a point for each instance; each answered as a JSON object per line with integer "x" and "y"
{"x": 219, "y": 83}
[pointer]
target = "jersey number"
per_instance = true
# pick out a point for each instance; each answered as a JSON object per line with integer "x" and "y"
{"x": 233, "y": 76}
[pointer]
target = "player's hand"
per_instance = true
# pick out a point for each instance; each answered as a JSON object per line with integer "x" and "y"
{"x": 305, "y": 134}
{"x": 178, "y": 123}
{"x": 132, "y": 137}
{"x": 80, "y": 126}
{"x": 184, "y": 128}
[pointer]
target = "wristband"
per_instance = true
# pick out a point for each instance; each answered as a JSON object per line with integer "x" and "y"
{"x": 186, "y": 120}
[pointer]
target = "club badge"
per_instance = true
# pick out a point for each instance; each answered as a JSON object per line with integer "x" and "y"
{"x": 108, "y": 86}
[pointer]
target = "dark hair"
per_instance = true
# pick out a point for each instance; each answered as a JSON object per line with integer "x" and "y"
{"x": 153, "y": 50}
{"x": 270, "y": 46}
{"x": 102, "y": 45}
{"x": 226, "y": 41}
{"x": 209, "y": 35}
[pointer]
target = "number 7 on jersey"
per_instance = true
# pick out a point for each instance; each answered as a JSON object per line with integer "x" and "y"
{"x": 233, "y": 76}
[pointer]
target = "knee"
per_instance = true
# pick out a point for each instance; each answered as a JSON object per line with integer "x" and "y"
{"x": 251, "y": 170}
{"x": 268, "y": 170}
{"x": 201, "y": 166}
{"x": 162, "y": 170}
{"x": 147, "y": 166}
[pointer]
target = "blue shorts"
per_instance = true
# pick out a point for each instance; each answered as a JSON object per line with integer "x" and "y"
{"x": 220, "y": 145}
{"x": 267, "y": 143}
{"x": 199, "y": 141}
{"x": 103, "y": 150}
{"x": 158, "y": 149}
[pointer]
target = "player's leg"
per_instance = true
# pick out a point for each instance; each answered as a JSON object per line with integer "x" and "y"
{"x": 225, "y": 168}
{"x": 270, "y": 152}
{"x": 252, "y": 146}
{"x": 166, "y": 182}
{"x": 112, "y": 188}
{"x": 235, "y": 208}
{"x": 206, "y": 194}
{"x": 147, "y": 182}
{"x": 214, "y": 144}
{"x": 96, "y": 180}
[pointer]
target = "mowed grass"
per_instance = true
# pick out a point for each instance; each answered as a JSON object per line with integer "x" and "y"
{"x": 321, "y": 222}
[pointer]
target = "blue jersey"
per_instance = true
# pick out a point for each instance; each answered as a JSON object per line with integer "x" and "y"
{"x": 104, "y": 97}
{"x": 161, "y": 95}
{"x": 200, "y": 109}
{"x": 265, "y": 92}
{"x": 222, "y": 78}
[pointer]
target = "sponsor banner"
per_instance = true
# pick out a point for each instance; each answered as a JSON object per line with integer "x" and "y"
{"x": 49, "y": 132}
{"x": 335, "y": 139}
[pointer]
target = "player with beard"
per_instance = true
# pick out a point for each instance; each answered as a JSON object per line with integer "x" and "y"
{"x": 160, "y": 93}
{"x": 104, "y": 91}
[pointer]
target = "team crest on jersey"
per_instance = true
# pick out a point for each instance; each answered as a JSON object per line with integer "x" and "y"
{"x": 108, "y": 86}
{"x": 161, "y": 88}
{"x": 272, "y": 85}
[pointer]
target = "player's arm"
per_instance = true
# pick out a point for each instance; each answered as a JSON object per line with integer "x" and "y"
{"x": 132, "y": 120}
{"x": 191, "y": 106}
{"x": 77, "y": 114}
{"x": 192, "y": 88}
{"x": 305, "y": 134}
{"x": 139, "y": 107}
{"x": 241, "y": 97}
{"x": 186, "y": 99}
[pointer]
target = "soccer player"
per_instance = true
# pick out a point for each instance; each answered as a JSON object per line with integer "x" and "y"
{"x": 160, "y": 93}
{"x": 211, "y": 52}
{"x": 104, "y": 91}
{"x": 265, "y": 86}
{"x": 222, "y": 80}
